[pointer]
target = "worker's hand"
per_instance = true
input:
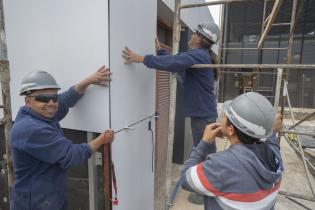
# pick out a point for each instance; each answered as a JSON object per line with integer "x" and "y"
{"x": 104, "y": 138}
{"x": 107, "y": 136}
{"x": 157, "y": 44}
{"x": 101, "y": 77}
{"x": 278, "y": 123}
{"x": 211, "y": 131}
{"x": 131, "y": 57}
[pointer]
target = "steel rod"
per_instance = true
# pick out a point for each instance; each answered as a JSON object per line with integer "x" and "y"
{"x": 255, "y": 48}
{"x": 281, "y": 24}
{"x": 246, "y": 72}
{"x": 135, "y": 123}
{"x": 304, "y": 119}
{"x": 308, "y": 198}
{"x": 278, "y": 88}
{"x": 172, "y": 111}
{"x": 298, "y": 203}
{"x": 298, "y": 132}
{"x": 297, "y": 149}
{"x": 256, "y": 66}
{"x": 263, "y": 18}
{"x": 292, "y": 28}
{"x": 299, "y": 142}
{"x": 185, "y": 6}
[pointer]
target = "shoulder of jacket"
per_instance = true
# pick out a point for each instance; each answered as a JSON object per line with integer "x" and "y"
{"x": 29, "y": 125}
{"x": 222, "y": 156}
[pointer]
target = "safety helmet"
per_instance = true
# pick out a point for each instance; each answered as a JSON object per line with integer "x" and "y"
{"x": 210, "y": 31}
{"x": 38, "y": 80}
{"x": 252, "y": 114}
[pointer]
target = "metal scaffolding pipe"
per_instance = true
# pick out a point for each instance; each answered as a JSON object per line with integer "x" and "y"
{"x": 173, "y": 90}
{"x": 298, "y": 150}
{"x": 292, "y": 28}
{"x": 256, "y": 66}
{"x": 255, "y": 48}
{"x": 246, "y": 72}
{"x": 281, "y": 24}
{"x": 297, "y": 202}
{"x": 185, "y": 6}
{"x": 297, "y": 196}
{"x": 298, "y": 123}
{"x": 278, "y": 88}
{"x": 299, "y": 142}
{"x": 298, "y": 132}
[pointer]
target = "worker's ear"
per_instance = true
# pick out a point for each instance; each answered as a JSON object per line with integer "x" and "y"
{"x": 27, "y": 101}
{"x": 230, "y": 130}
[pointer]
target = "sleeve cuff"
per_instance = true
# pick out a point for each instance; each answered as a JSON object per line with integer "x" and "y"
{"x": 273, "y": 137}
{"x": 203, "y": 147}
{"x": 89, "y": 150}
{"x": 162, "y": 52}
{"x": 145, "y": 60}
{"x": 74, "y": 93}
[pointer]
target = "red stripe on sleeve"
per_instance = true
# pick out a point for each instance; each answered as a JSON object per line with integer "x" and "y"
{"x": 204, "y": 181}
{"x": 242, "y": 197}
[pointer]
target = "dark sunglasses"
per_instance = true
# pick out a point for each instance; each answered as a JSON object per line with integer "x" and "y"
{"x": 45, "y": 98}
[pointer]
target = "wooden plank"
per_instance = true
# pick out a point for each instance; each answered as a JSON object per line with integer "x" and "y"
{"x": 271, "y": 18}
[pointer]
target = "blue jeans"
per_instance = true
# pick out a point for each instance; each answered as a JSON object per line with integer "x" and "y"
{"x": 198, "y": 125}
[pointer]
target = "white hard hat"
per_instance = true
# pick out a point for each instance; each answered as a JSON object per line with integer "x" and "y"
{"x": 38, "y": 80}
{"x": 252, "y": 114}
{"x": 210, "y": 31}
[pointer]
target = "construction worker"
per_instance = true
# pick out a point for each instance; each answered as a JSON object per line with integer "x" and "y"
{"x": 248, "y": 174}
{"x": 199, "y": 94}
{"x": 41, "y": 153}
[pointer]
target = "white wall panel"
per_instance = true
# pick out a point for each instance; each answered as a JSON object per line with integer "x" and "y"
{"x": 69, "y": 39}
{"x": 132, "y": 24}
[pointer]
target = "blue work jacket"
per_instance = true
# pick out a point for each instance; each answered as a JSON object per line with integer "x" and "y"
{"x": 41, "y": 155}
{"x": 199, "y": 99}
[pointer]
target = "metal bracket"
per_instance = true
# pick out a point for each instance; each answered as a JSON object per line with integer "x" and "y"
{"x": 98, "y": 159}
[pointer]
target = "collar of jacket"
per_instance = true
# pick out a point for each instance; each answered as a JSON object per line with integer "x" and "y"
{"x": 200, "y": 48}
{"x": 29, "y": 111}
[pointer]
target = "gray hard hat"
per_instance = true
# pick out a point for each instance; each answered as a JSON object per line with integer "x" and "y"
{"x": 210, "y": 31}
{"x": 252, "y": 114}
{"x": 38, "y": 80}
